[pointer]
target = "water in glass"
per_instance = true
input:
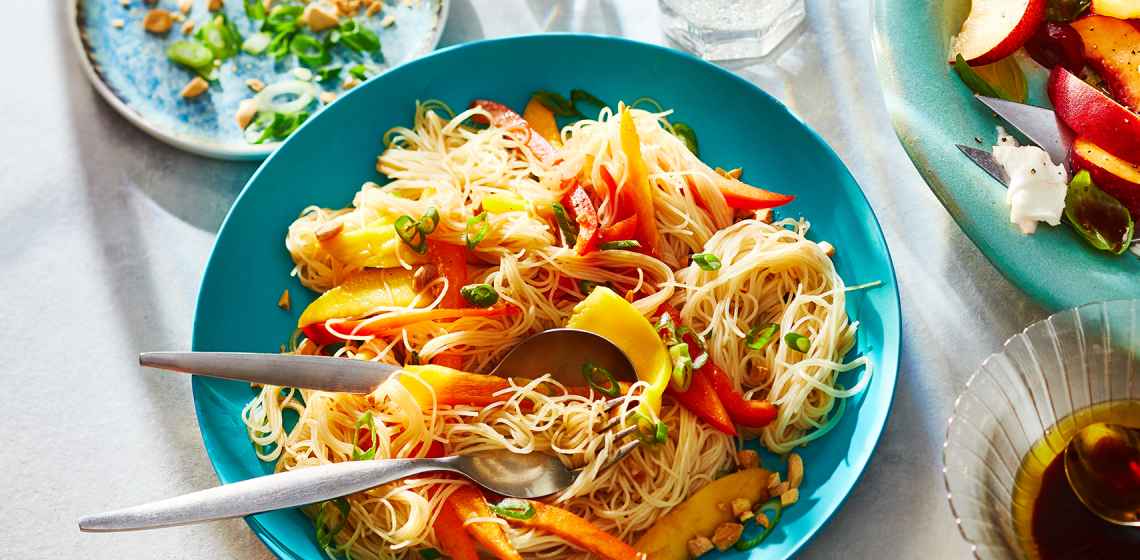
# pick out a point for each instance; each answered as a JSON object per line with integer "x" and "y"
{"x": 730, "y": 29}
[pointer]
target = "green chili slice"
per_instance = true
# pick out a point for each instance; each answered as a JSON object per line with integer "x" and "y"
{"x": 255, "y": 10}
{"x": 410, "y": 233}
{"x": 428, "y": 222}
{"x": 328, "y": 73}
{"x": 476, "y": 231}
{"x": 358, "y": 37}
{"x": 192, "y": 55}
{"x": 650, "y": 432}
{"x": 568, "y": 227}
{"x": 284, "y": 18}
{"x": 359, "y": 72}
{"x": 513, "y": 508}
{"x": 622, "y": 244}
{"x": 777, "y": 510}
{"x": 595, "y": 376}
{"x": 798, "y": 341}
{"x": 479, "y": 295}
{"x": 325, "y": 534}
{"x": 365, "y": 422}
{"x": 760, "y": 336}
{"x": 279, "y": 45}
{"x": 309, "y": 51}
{"x": 707, "y": 261}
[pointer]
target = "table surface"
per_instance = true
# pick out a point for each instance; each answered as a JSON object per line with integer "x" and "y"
{"x": 106, "y": 231}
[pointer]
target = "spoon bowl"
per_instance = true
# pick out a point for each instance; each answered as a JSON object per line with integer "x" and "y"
{"x": 515, "y": 475}
{"x": 561, "y": 353}
{"x": 1102, "y": 464}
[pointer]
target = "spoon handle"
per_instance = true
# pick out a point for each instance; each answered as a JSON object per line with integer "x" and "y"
{"x": 276, "y": 491}
{"x": 284, "y": 370}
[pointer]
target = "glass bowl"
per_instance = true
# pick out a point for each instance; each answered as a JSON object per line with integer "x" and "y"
{"x": 1021, "y": 407}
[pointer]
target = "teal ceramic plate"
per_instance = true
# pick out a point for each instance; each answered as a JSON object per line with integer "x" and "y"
{"x": 326, "y": 161}
{"x": 129, "y": 68}
{"x": 932, "y": 111}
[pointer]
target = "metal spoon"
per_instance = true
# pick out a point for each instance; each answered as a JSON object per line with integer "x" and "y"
{"x": 533, "y": 475}
{"x": 1102, "y": 463}
{"x": 559, "y": 352}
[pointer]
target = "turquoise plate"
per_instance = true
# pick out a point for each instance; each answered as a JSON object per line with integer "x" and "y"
{"x": 326, "y": 161}
{"x": 932, "y": 111}
{"x": 129, "y": 68}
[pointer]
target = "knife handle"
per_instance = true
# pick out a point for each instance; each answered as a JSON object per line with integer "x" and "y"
{"x": 286, "y": 370}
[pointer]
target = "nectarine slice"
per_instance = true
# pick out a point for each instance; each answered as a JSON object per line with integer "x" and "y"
{"x": 1094, "y": 115}
{"x": 1121, "y": 9}
{"x": 1112, "y": 46}
{"x": 996, "y": 28}
{"x": 1113, "y": 175}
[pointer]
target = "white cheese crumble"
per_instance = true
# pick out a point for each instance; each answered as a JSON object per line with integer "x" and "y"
{"x": 1037, "y": 187}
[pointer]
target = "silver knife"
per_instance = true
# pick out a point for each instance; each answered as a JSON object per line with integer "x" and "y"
{"x": 284, "y": 370}
{"x": 1039, "y": 124}
{"x": 986, "y": 161}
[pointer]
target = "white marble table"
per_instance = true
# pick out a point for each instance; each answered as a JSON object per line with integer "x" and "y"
{"x": 104, "y": 233}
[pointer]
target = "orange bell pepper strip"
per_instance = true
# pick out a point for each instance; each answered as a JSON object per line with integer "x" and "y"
{"x": 745, "y": 412}
{"x": 641, "y": 194}
{"x": 576, "y": 531}
{"x": 454, "y": 541}
{"x": 451, "y": 263}
{"x": 452, "y": 387}
{"x": 624, "y": 229}
{"x": 503, "y": 117}
{"x": 468, "y": 502}
{"x": 319, "y": 332}
{"x": 743, "y": 196}
{"x": 541, "y": 120}
{"x": 587, "y": 217}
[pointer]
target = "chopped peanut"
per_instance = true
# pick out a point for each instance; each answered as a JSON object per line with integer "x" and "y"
{"x": 764, "y": 215}
{"x": 283, "y": 302}
{"x": 773, "y": 480}
{"x": 247, "y": 109}
{"x": 795, "y": 470}
{"x": 117, "y": 23}
{"x": 747, "y": 459}
{"x": 699, "y": 545}
{"x": 828, "y": 248}
{"x": 374, "y": 8}
{"x": 214, "y": 5}
{"x": 319, "y": 16}
{"x": 726, "y": 535}
{"x": 185, "y": 5}
{"x": 255, "y": 84}
{"x": 780, "y": 489}
{"x": 744, "y": 517}
{"x": 194, "y": 88}
{"x": 424, "y": 275}
{"x": 741, "y": 505}
{"x": 157, "y": 21}
{"x": 790, "y": 497}
{"x": 349, "y": 83}
{"x": 329, "y": 230}
{"x": 187, "y": 27}
{"x": 734, "y": 173}
{"x": 388, "y": 20}
{"x": 327, "y": 97}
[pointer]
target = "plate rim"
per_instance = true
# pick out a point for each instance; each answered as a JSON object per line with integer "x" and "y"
{"x": 201, "y": 147}
{"x": 893, "y": 332}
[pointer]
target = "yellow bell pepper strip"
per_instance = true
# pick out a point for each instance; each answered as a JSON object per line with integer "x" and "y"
{"x": 605, "y": 313}
{"x": 468, "y": 502}
{"x": 641, "y": 195}
{"x": 701, "y": 513}
{"x": 361, "y": 293}
{"x": 375, "y": 245}
{"x": 453, "y": 539}
{"x": 452, "y": 387}
{"x": 541, "y": 120}
{"x": 503, "y": 117}
{"x": 319, "y": 332}
{"x": 576, "y": 531}
{"x": 502, "y": 203}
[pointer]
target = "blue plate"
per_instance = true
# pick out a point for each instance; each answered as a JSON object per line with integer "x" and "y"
{"x": 932, "y": 111}
{"x": 129, "y": 68}
{"x": 739, "y": 125}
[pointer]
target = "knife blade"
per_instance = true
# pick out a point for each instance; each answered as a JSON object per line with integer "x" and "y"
{"x": 986, "y": 161}
{"x": 284, "y": 370}
{"x": 1038, "y": 124}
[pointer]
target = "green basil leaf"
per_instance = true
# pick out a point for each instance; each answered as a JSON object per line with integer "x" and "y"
{"x": 978, "y": 84}
{"x": 556, "y": 103}
{"x": 1098, "y": 217}
{"x": 1065, "y": 10}
{"x": 688, "y": 136}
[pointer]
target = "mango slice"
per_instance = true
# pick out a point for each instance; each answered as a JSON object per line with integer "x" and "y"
{"x": 361, "y": 293}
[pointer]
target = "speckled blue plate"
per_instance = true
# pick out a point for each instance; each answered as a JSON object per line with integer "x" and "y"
{"x": 327, "y": 160}
{"x": 129, "y": 68}
{"x": 932, "y": 111}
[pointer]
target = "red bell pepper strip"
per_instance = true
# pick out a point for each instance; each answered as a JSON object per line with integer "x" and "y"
{"x": 587, "y": 217}
{"x": 468, "y": 502}
{"x": 743, "y": 196}
{"x": 745, "y": 412}
{"x": 451, "y": 262}
{"x": 319, "y": 332}
{"x": 503, "y": 117}
{"x": 701, "y": 399}
{"x": 576, "y": 531}
{"x": 624, "y": 229}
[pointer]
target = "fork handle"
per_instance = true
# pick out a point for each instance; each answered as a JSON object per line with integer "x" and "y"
{"x": 276, "y": 491}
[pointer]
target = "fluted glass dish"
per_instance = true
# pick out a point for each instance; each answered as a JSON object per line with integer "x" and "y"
{"x": 1021, "y": 407}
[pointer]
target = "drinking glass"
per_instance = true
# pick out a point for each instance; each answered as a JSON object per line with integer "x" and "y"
{"x": 731, "y": 29}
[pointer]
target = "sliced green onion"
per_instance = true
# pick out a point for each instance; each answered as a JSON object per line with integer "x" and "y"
{"x": 279, "y": 45}
{"x": 359, "y": 72}
{"x": 595, "y": 375}
{"x": 430, "y": 554}
{"x": 257, "y": 43}
{"x": 650, "y": 432}
{"x": 578, "y": 95}
{"x": 358, "y": 37}
{"x": 479, "y": 295}
{"x": 568, "y": 227}
{"x": 220, "y": 36}
{"x": 192, "y": 55}
{"x": 587, "y": 286}
{"x": 557, "y": 104}
{"x": 255, "y": 10}
{"x": 325, "y": 534}
{"x": 328, "y": 73}
{"x": 476, "y": 231}
{"x": 682, "y": 367}
{"x": 707, "y": 261}
{"x": 365, "y": 421}
{"x": 759, "y": 336}
{"x": 777, "y": 508}
{"x": 688, "y": 136}
{"x": 428, "y": 222}
{"x": 309, "y": 51}
{"x": 513, "y": 508}
{"x": 409, "y": 232}
{"x": 798, "y": 341}
{"x": 284, "y": 18}
{"x": 624, "y": 244}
